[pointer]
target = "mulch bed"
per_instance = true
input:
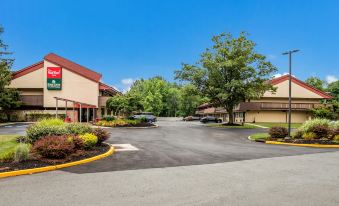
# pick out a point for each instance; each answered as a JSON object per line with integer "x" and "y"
{"x": 37, "y": 161}
{"x": 315, "y": 141}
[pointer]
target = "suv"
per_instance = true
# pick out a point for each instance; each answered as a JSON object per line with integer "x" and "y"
{"x": 210, "y": 119}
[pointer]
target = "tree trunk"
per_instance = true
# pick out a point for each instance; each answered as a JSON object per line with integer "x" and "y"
{"x": 230, "y": 115}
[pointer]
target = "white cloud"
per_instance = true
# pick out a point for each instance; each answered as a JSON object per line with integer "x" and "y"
{"x": 279, "y": 75}
{"x": 331, "y": 78}
{"x": 126, "y": 84}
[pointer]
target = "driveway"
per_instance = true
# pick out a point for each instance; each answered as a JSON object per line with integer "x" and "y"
{"x": 174, "y": 166}
{"x": 178, "y": 143}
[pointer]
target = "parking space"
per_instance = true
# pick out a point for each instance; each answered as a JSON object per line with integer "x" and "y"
{"x": 178, "y": 143}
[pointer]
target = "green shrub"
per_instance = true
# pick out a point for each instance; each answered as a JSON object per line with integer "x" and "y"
{"x": 56, "y": 147}
{"x": 90, "y": 140}
{"x": 278, "y": 132}
{"x": 36, "y": 131}
{"x": 36, "y": 116}
{"x": 102, "y": 135}
{"x": 309, "y": 124}
{"x": 108, "y": 118}
{"x": 6, "y": 156}
{"x": 309, "y": 136}
{"x": 21, "y": 152}
{"x": 51, "y": 122}
{"x": 297, "y": 134}
{"x": 78, "y": 128}
{"x": 336, "y": 138}
{"x": 77, "y": 141}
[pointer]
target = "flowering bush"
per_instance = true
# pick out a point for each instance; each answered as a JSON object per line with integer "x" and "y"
{"x": 89, "y": 140}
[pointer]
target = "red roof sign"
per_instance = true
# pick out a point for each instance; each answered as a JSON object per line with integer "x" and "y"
{"x": 54, "y": 72}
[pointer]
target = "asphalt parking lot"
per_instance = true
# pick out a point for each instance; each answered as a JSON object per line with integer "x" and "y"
{"x": 174, "y": 166}
{"x": 177, "y": 143}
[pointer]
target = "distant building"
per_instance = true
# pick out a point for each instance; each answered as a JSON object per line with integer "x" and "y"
{"x": 56, "y": 81}
{"x": 273, "y": 107}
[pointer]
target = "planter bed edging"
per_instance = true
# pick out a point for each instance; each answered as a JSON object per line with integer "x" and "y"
{"x": 303, "y": 145}
{"x": 55, "y": 167}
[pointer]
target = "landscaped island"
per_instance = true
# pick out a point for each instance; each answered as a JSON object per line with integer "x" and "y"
{"x": 316, "y": 131}
{"x": 50, "y": 142}
{"x": 110, "y": 121}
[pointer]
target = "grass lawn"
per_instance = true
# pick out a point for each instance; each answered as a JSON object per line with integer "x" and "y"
{"x": 245, "y": 126}
{"x": 271, "y": 124}
{"x": 7, "y": 146}
{"x": 259, "y": 136}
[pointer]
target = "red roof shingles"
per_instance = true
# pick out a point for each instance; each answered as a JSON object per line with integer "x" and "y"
{"x": 103, "y": 86}
{"x": 28, "y": 69}
{"x": 283, "y": 78}
{"x": 74, "y": 67}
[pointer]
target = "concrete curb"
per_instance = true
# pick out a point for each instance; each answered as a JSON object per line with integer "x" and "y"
{"x": 55, "y": 167}
{"x": 258, "y": 126}
{"x": 303, "y": 145}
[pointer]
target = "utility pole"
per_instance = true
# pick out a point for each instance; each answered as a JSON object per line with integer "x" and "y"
{"x": 289, "y": 53}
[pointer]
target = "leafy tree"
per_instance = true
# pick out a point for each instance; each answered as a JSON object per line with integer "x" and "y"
{"x": 230, "y": 72}
{"x": 190, "y": 99}
{"x": 316, "y": 83}
{"x": 333, "y": 88}
{"x": 116, "y": 104}
{"x": 9, "y": 97}
{"x": 329, "y": 111}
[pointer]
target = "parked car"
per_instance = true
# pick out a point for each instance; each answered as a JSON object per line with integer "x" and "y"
{"x": 210, "y": 119}
{"x": 191, "y": 118}
{"x": 147, "y": 115}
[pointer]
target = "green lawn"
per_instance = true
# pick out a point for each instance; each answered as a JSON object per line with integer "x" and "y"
{"x": 257, "y": 136}
{"x": 7, "y": 146}
{"x": 245, "y": 126}
{"x": 271, "y": 124}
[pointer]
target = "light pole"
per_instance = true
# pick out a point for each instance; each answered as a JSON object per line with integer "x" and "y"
{"x": 289, "y": 53}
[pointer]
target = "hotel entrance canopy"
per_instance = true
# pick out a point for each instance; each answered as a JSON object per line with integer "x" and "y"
{"x": 76, "y": 104}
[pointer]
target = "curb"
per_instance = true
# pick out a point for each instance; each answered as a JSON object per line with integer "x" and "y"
{"x": 55, "y": 167}
{"x": 303, "y": 145}
{"x": 263, "y": 127}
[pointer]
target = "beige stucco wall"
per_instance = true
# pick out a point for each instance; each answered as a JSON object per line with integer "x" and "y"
{"x": 297, "y": 91}
{"x": 31, "y": 80}
{"x": 276, "y": 116}
{"x": 285, "y": 100}
{"x": 31, "y": 92}
{"x": 74, "y": 87}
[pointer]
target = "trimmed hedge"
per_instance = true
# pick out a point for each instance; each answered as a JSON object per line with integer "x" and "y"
{"x": 102, "y": 135}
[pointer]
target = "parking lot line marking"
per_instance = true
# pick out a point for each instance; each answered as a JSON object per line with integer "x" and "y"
{"x": 124, "y": 147}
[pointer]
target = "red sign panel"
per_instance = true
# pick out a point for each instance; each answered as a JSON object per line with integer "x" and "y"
{"x": 54, "y": 72}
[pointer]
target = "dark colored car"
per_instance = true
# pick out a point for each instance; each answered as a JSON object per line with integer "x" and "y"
{"x": 210, "y": 119}
{"x": 191, "y": 118}
{"x": 147, "y": 115}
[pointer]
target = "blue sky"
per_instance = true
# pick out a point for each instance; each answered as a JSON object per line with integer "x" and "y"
{"x": 126, "y": 40}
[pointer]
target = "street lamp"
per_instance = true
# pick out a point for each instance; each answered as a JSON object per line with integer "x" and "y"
{"x": 289, "y": 53}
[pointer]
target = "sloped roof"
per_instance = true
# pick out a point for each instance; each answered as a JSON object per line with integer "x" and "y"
{"x": 283, "y": 78}
{"x": 60, "y": 61}
{"x": 28, "y": 69}
{"x": 74, "y": 67}
{"x": 106, "y": 87}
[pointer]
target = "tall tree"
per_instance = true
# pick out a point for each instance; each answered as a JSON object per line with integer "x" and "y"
{"x": 230, "y": 72}
{"x": 316, "y": 83}
{"x": 333, "y": 88}
{"x": 9, "y": 97}
{"x": 190, "y": 99}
